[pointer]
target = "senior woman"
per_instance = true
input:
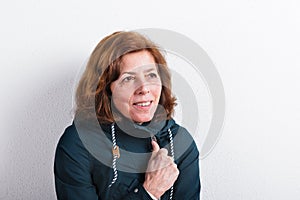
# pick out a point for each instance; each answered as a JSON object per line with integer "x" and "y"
{"x": 123, "y": 143}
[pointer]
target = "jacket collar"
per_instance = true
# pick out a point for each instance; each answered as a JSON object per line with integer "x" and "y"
{"x": 144, "y": 130}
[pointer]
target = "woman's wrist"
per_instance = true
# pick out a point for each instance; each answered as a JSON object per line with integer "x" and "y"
{"x": 151, "y": 194}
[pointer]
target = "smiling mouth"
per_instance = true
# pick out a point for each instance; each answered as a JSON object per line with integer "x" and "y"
{"x": 143, "y": 104}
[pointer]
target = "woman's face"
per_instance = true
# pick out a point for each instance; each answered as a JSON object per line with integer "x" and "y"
{"x": 137, "y": 91}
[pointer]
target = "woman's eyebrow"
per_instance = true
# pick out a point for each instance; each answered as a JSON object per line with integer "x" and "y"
{"x": 131, "y": 73}
{"x": 145, "y": 71}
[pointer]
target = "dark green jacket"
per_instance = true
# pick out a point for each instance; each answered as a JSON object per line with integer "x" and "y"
{"x": 83, "y": 161}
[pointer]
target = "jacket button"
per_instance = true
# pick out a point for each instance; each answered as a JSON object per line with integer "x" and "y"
{"x": 136, "y": 190}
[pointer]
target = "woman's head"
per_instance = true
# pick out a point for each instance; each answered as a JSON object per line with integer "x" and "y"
{"x": 125, "y": 71}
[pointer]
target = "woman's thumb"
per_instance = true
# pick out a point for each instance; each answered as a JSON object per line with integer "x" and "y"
{"x": 155, "y": 146}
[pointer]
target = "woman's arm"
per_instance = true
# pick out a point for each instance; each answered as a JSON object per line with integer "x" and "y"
{"x": 73, "y": 176}
{"x": 187, "y": 186}
{"x": 72, "y": 169}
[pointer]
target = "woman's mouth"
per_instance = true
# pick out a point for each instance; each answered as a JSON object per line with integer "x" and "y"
{"x": 143, "y": 104}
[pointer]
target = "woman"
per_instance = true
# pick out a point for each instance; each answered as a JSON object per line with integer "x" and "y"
{"x": 123, "y": 143}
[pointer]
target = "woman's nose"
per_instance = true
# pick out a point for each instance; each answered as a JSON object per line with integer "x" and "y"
{"x": 142, "y": 89}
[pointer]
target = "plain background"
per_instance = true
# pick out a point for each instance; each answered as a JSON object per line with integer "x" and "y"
{"x": 255, "y": 46}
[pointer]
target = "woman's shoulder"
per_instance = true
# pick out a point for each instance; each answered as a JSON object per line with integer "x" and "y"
{"x": 70, "y": 138}
{"x": 183, "y": 140}
{"x": 68, "y": 133}
{"x": 177, "y": 128}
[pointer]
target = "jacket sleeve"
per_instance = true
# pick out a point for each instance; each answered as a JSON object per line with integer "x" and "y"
{"x": 187, "y": 186}
{"x": 138, "y": 193}
{"x": 72, "y": 169}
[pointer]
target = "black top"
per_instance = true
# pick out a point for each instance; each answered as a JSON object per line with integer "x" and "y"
{"x": 83, "y": 161}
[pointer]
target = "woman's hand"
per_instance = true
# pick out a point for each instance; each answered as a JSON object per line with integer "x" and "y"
{"x": 161, "y": 172}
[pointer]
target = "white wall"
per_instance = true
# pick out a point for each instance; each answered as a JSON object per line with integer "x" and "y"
{"x": 254, "y": 44}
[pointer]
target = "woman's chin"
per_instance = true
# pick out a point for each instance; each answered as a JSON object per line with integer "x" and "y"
{"x": 142, "y": 119}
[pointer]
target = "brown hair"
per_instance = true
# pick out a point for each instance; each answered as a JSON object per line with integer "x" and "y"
{"x": 93, "y": 94}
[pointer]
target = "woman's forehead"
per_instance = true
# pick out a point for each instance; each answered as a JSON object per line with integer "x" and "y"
{"x": 137, "y": 60}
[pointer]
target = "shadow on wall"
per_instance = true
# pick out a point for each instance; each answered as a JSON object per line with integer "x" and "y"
{"x": 34, "y": 126}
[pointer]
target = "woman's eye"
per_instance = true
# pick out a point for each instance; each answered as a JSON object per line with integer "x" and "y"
{"x": 152, "y": 75}
{"x": 128, "y": 78}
